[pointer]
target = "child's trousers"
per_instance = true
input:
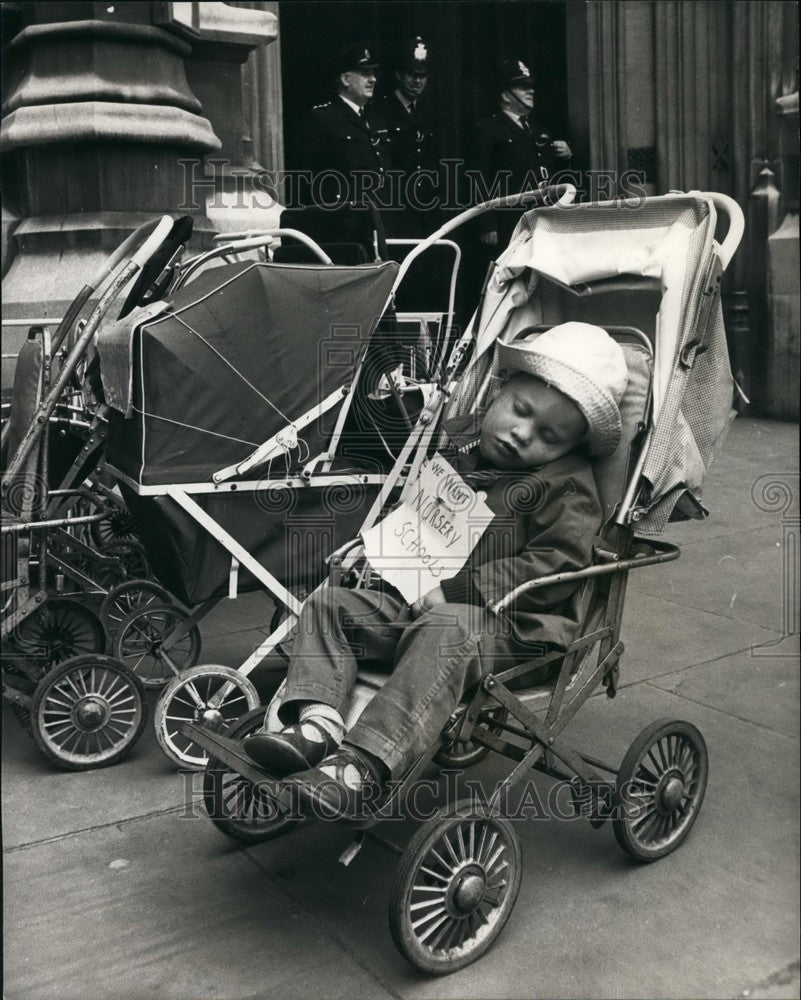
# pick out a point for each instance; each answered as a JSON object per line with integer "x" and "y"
{"x": 433, "y": 660}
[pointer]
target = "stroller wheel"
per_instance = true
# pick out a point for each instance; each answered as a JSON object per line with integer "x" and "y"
{"x": 141, "y": 638}
{"x": 234, "y": 805}
{"x": 116, "y": 526}
{"x": 212, "y": 695}
{"x": 461, "y": 753}
{"x": 125, "y": 598}
{"x": 57, "y": 630}
{"x": 455, "y": 888}
{"x": 660, "y": 788}
{"x": 132, "y": 557}
{"x": 88, "y": 712}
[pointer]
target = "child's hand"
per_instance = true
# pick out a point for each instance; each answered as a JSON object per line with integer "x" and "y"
{"x": 428, "y": 601}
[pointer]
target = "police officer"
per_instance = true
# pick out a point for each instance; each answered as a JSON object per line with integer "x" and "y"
{"x": 415, "y": 149}
{"x": 344, "y": 143}
{"x": 511, "y": 141}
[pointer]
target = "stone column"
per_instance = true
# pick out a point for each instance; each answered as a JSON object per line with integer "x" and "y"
{"x": 684, "y": 90}
{"x": 784, "y": 293}
{"x": 97, "y": 114}
{"x": 606, "y": 85}
{"x": 620, "y": 96}
{"x": 263, "y": 100}
{"x": 235, "y": 71}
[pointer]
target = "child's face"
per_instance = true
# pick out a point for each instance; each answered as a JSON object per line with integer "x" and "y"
{"x": 529, "y": 424}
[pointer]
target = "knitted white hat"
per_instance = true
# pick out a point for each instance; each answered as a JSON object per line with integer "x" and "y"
{"x": 583, "y": 362}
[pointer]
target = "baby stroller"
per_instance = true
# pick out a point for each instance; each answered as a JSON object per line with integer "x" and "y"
{"x": 83, "y": 708}
{"x": 649, "y": 272}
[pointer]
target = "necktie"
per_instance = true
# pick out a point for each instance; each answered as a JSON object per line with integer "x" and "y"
{"x": 525, "y": 125}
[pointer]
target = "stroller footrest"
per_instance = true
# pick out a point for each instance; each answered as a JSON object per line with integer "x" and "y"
{"x": 231, "y": 753}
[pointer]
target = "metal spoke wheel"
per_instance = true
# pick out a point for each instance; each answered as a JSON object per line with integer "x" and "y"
{"x": 660, "y": 788}
{"x": 124, "y": 599}
{"x": 57, "y": 630}
{"x": 455, "y": 888}
{"x": 235, "y": 805}
{"x": 465, "y": 753}
{"x": 88, "y": 712}
{"x": 118, "y": 525}
{"x": 139, "y": 643}
{"x": 132, "y": 557}
{"x": 212, "y": 695}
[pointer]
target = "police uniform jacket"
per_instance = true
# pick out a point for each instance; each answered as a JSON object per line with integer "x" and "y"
{"x": 528, "y": 157}
{"x": 335, "y": 138}
{"x": 411, "y": 134}
{"x": 414, "y": 149}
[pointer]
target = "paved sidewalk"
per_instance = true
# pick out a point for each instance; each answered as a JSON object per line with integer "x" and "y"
{"x": 112, "y": 891}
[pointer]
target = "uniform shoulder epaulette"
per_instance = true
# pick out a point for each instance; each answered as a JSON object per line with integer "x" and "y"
{"x": 327, "y": 104}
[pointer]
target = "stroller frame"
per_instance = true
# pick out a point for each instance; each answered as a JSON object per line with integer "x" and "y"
{"x": 505, "y": 721}
{"x": 451, "y": 897}
{"x": 84, "y": 709}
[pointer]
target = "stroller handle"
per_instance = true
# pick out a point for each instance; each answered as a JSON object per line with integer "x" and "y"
{"x": 253, "y": 239}
{"x": 242, "y": 241}
{"x": 138, "y": 247}
{"x": 564, "y": 194}
{"x": 734, "y": 214}
{"x": 160, "y": 233}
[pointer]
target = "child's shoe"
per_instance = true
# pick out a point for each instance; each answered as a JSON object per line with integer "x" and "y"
{"x": 290, "y": 750}
{"x": 345, "y": 785}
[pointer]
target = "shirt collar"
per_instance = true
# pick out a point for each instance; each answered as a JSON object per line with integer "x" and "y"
{"x": 405, "y": 101}
{"x": 517, "y": 119}
{"x": 351, "y": 105}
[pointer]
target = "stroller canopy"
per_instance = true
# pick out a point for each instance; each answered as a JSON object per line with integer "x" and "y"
{"x": 241, "y": 353}
{"x": 649, "y": 264}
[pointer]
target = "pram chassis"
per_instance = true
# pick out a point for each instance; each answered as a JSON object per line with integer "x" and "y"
{"x": 85, "y": 710}
{"x": 451, "y": 897}
{"x": 468, "y": 876}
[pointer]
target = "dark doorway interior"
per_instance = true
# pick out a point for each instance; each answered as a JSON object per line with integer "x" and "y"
{"x": 467, "y": 40}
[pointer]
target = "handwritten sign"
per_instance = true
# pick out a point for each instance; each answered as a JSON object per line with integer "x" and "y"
{"x": 429, "y": 536}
